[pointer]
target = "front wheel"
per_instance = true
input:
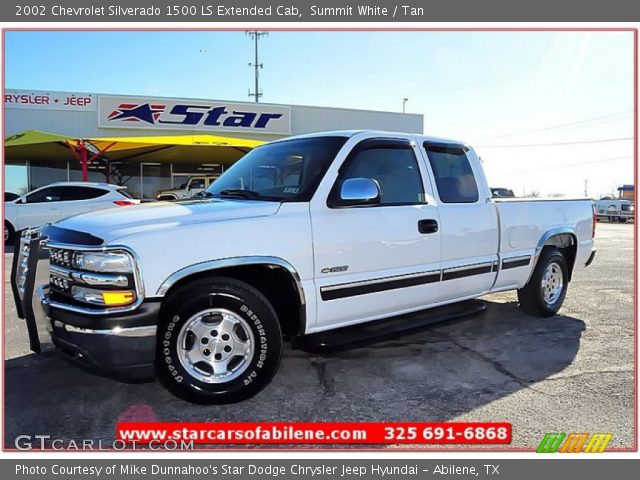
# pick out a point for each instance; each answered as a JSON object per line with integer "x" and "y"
{"x": 544, "y": 294}
{"x": 219, "y": 341}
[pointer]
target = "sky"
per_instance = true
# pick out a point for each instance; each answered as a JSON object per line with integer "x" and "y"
{"x": 546, "y": 111}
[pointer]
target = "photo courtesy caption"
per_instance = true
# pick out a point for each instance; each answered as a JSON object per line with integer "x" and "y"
{"x": 251, "y": 469}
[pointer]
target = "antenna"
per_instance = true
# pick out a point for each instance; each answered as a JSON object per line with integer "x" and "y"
{"x": 256, "y": 65}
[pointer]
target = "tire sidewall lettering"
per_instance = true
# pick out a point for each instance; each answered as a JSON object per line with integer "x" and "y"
{"x": 260, "y": 357}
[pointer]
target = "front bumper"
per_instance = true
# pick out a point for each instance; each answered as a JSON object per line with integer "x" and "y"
{"x": 117, "y": 345}
{"x": 120, "y": 346}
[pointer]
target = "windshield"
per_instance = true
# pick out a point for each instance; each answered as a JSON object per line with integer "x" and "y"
{"x": 283, "y": 171}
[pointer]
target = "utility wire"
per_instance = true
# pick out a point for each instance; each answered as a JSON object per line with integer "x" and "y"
{"x": 554, "y": 144}
{"x": 569, "y": 165}
{"x": 569, "y": 124}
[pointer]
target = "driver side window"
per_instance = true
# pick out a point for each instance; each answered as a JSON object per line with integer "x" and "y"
{"x": 393, "y": 167}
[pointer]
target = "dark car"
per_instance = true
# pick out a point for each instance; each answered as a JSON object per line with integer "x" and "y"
{"x": 502, "y": 193}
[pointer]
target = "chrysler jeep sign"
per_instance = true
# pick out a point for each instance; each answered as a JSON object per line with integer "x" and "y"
{"x": 193, "y": 115}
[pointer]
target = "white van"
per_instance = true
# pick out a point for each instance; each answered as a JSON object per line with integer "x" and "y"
{"x": 614, "y": 210}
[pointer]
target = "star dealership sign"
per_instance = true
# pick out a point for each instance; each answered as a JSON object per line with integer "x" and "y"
{"x": 194, "y": 115}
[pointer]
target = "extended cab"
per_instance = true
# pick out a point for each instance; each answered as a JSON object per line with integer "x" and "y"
{"x": 303, "y": 235}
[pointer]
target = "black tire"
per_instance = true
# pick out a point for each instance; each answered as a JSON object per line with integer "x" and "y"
{"x": 531, "y": 296}
{"x": 250, "y": 309}
{"x": 9, "y": 234}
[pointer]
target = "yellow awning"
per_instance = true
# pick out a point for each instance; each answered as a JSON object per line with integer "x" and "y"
{"x": 183, "y": 140}
{"x": 191, "y": 148}
{"x": 31, "y": 137}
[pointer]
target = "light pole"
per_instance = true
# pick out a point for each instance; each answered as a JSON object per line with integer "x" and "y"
{"x": 404, "y": 102}
{"x": 256, "y": 65}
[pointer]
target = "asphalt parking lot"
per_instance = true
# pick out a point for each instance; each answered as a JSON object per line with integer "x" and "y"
{"x": 570, "y": 373}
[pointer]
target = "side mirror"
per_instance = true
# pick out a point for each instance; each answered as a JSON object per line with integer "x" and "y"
{"x": 22, "y": 199}
{"x": 359, "y": 191}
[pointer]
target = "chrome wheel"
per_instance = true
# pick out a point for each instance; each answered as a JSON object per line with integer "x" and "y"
{"x": 552, "y": 283}
{"x": 215, "y": 345}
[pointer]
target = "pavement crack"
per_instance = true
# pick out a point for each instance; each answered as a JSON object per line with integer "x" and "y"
{"x": 326, "y": 383}
{"x": 499, "y": 367}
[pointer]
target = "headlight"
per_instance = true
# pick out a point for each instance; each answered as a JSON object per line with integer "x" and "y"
{"x": 108, "y": 298}
{"x": 103, "y": 262}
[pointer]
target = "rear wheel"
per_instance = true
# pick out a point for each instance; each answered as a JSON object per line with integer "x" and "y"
{"x": 545, "y": 292}
{"x": 219, "y": 341}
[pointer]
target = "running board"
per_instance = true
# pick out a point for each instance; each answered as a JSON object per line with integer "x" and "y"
{"x": 379, "y": 330}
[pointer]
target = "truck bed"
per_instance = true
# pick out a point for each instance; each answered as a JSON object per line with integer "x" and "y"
{"x": 523, "y": 224}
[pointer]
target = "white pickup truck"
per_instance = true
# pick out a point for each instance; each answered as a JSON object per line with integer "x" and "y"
{"x": 309, "y": 234}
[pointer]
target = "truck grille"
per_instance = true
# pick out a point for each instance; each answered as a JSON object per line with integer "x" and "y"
{"x": 65, "y": 280}
{"x": 60, "y": 257}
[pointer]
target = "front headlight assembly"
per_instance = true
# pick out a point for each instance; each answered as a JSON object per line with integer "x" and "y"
{"x": 103, "y": 278}
{"x": 103, "y": 262}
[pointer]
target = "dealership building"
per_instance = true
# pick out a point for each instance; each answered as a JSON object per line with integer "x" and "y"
{"x": 151, "y": 143}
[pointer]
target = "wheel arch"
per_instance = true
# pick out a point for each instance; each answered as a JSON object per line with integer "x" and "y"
{"x": 274, "y": 277}
{"x": 563, "y": 238}
{"x": 167, "y": 197}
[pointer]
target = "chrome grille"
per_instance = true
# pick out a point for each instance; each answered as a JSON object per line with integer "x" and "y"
{"x": 58, "y": 256}
{"x": 59, "y": 282}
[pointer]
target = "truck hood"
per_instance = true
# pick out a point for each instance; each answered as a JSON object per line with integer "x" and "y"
{"x": 117, "y": 222}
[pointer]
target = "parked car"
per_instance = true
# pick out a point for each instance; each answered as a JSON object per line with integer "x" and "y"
{"x": 304, "y": 236}
{"x": 188, "y": 189}
{"x": 60, "y": 200}
{"x": 9, "y": 196}
{"x": 499, "y": 192}
{"x": 614, "y": 210}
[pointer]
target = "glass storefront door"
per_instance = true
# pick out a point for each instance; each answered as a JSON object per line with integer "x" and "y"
{"x": 154, "y": 177}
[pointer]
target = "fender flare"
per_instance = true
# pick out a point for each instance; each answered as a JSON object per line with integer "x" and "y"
{"x": 212, "y": 265}
{"x": 545, "y": 238}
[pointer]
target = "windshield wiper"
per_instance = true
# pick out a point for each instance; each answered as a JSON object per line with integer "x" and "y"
{"x": 238, "y": 192}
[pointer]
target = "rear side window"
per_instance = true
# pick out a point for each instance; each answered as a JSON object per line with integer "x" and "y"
{"x": 69, "y": 193}
{"x": 395, "y": 169}
{"x": 452, "y": 171}
{"x": 65, "y": 194}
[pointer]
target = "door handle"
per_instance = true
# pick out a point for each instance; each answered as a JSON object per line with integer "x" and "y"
{"x": 428, "y": 226}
